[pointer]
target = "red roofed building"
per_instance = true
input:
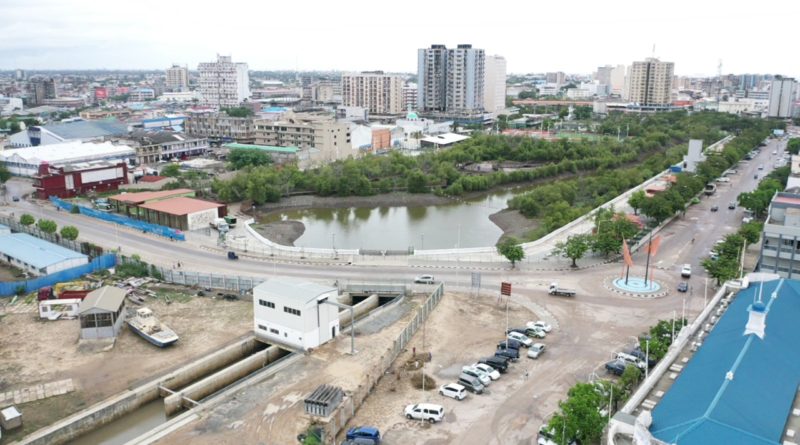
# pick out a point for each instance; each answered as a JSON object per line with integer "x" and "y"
{"x": 182, "y": 213}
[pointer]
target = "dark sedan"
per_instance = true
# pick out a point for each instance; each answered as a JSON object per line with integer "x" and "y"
{"x": 683, "y": 286}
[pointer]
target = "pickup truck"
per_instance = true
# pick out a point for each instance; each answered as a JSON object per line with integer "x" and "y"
{"x": 560, "y": 291}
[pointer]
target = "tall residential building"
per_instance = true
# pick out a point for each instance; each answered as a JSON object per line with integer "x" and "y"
{"x": 603, "y": 74}
{"x": 377, "y": 92}
{"x": 224, "y": 83}
{"x": 177, "y": 78}
{"x": 43, "y": 89}
{"x": 617, "y": 85}
{"x": 650, "y": 82}
{"x": 410, "y": 97}
{"x": 450, "y": 80}
{"x": 494, "y": 93}
{"x": 558, "y": 78}
{"x": 781, "y": 97}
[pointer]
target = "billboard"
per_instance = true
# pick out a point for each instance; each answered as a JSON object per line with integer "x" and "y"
{"x": 101, "y": 93}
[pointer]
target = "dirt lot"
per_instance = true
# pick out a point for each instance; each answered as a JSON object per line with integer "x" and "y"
{"x": 34, "y": 351}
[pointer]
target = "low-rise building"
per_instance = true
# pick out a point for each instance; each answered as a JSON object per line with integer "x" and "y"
{"x": 157, "y": 146}
{"x": 102, "y": 313}
{"x": 129, "y": 204}
{"x": 37, "y": 256}
{"x": 77, "y": 131}
{"x": 292, "y": 312}
{"x": 78, "y": 179}
{"x": 780, "y": 249}
{"x": 27, "y": 161}
{"x": 182, "y": 213}
{"x": 442, "y": 140}
{"x": 306, "y": 131}
{"x": 220, "y": 128}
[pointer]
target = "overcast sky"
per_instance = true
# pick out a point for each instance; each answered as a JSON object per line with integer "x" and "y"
{"x": 534, "y": 36}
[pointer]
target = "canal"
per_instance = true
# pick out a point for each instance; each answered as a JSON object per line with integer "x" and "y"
{"x": 463, "y": 223}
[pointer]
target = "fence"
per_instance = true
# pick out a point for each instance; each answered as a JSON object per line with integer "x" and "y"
{"x": 101, "y": 262}
{"x": 78, "y": 246}
{"x": 164, "y": 231}
{"x": 232, "y": 283}
{"x": 422, "y": 314}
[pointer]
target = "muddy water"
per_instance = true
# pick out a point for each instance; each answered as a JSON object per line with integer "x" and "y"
{"x": 126, "y": 427}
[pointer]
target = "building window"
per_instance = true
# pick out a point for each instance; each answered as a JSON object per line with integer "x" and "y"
{"x": 268, "y": 304}
{"x": 262, "y": 327}
{"x": 292, "y": 311}
{"x": 274, "y": 331}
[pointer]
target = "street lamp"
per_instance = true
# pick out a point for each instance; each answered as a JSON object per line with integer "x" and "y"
{"x": 647, "y": 357}
{"x": 422, "y": 241}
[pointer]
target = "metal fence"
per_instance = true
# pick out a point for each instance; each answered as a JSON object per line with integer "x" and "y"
{"x": 422, "y": 314}
{"x": 55, "y": 238}
{"x": 147, "y": 227}
{"x": 14, "y": 287}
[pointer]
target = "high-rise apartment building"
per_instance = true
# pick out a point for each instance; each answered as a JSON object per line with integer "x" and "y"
{"x": 43, "y": 89}
{"x": 558, "y": 78}
{"x": 377, "y": 92}
{"x": 781, "y": 97}
{"x": 177, "y": 78}
{"x": 450, "y": 80}
{"x": 224, "y": 83}
{"x": 494, "y": 93}
{"x": 410, "y": 97}
{"x": 603, "y": 74}
{"x": 650, "y": 82}
{"x": 617, "y": 85}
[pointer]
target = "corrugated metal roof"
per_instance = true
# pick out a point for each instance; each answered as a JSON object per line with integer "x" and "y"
{"x": 181, "y": 206}
{"x": 262, "y": 147}
{"x": 67, "y": 152}
{"x": 107, "y": 298}
{"x": 34, "y": 251}
{"x": 87, "y": 129}
{"x": 705, "y": 407}
{"x": 293, "y": 289}
{"x": 139, "y": 197}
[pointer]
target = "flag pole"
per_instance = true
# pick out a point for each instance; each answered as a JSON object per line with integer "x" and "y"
{"x": 647, "y": 264}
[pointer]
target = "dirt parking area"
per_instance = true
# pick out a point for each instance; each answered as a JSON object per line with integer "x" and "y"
{"x": 34, "y": 351}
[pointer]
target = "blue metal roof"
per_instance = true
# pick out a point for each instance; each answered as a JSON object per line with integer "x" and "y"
{"x": 705, "y": 407}
{"x": 34, "y": 251}
{"x": 87, "y": 129}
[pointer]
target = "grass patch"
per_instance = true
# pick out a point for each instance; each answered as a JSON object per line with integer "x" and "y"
{"x": 169, "y": 296}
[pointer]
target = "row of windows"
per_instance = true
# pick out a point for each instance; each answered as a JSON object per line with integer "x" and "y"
{"x": 286, "y": 309}
{"x": 292, "y": 311}
{"x": 268, "y": 304}
{"x": 272, "y": 330}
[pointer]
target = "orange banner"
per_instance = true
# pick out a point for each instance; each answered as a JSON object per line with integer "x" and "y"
{"x": 653, "y": 246}
{"x": 626, "y": 254}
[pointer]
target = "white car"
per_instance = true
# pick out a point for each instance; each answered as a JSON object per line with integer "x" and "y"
{"x": 424, "y": 279}
{"x": 491, "y": 372}
{"x": 540, "y": 324}
{"x": 522, "y": 338}
{"x": 535, "y": 331}
{"x": 453, "y": 390}
{"x": 631, "y": 359}
{"x": 686, "y": 271}
{"x": 536, "y": 350}
{"x": 478, "y": 374}
{"x": 425, "y": 411}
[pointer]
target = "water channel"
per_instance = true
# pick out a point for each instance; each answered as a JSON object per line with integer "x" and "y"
{"x": 127, "y": 427}
{"x": 463, "y": 223}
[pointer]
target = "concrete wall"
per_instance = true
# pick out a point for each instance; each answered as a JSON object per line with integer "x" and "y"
{"x": 359, "y": 310}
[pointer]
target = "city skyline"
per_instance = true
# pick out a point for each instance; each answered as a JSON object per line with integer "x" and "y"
{"x": 88, "y": 34}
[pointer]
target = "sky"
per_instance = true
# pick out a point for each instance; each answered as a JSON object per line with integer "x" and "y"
{"x": 534, "y": 36}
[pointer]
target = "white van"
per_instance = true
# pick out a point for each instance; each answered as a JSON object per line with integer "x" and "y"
{"x": 425, "y": 411}
{"x": 630, "y": 359}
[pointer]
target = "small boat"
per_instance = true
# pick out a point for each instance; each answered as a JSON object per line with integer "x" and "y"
{"x": 144, "y": 323}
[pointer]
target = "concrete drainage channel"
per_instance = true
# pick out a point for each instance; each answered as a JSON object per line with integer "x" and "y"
{"x": 139, "y": 416}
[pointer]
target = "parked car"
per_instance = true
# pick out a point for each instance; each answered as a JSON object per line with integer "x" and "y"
{"x": 633, "y": 360}
{"x": 491, "y": 372}
{"x": 509, "y": 343}
{"x": 521, "y": 338}
{"x": 547, "y": 437}
{"x": 232, "y": 255}
{"x": 478, "y": 374}
{"x": 367, "y": 432}
{"x": 761, "y": 166}
{"x": 683, "y": 286}
{"x": 471, "y": 384}
{"x": 714, "y": 208}
{"x": 424, "y": 279}
{"x": 528, "y": 332}
{"x": 511, "y": 354}
{"x": 616, "y": 367}
{"x": 731, "y": 205}
{"x": 536, "y": 350}
{"x": 637, "y": 352}
{"x": 15, "y": 198}
{"x": 500, "y": 364}
{"x": 453, "y": 390}
{"x": 686, "y": 271}
{"x": 541, "y": 325}
{"x": 425, "y": 411}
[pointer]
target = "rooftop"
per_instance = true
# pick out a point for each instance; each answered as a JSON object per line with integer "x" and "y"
{"x": 34, "y": 251}
{"x": 293, "y": 289}
{"x": 738, "y": 389}
{"x": 107, "y": 298}
{"x": 87, "y": 129}
{"x": 445, "y": 139}
{"x": 181, "y": 206}
{"x": 271, "y": 148}
{"x": 141, "y": 197}
{"x": 67, "y": 152}
{"x": 152, "y": 178}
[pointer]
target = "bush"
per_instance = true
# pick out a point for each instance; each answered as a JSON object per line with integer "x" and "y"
{"x": 416, "y": 381}
{"x": 47, "y": 225}
{"x": 26, "y": 219}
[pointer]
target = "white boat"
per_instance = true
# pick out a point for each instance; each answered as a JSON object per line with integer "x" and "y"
{"x": 144, "y": 323}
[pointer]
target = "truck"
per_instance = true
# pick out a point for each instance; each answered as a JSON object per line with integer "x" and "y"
{"x": 66, "y": 291}
{"x": 560, "y": 291}
{"x": 220, "y": 224}
{"x": 231, "y": 220}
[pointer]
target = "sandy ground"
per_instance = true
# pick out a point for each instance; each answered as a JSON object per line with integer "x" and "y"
{"x": 34, "y": 351}
{"x": 287, "y": 232}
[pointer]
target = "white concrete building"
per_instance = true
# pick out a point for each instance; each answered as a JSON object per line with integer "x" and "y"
{"x": 177, "y": 78}
{"x": 26, "y": 161}
{"x": 694, "y": 156}
{"x": 781, "y": 97}
{"x": 651, "y": 83}
{"x": 38, "y": 256}
{"x": 617, "y": 84}
{"x": 291, "y": 312}
{"x": 9, "y": 105}
{"x": 224, "y": 83}
{"x": 494, "y": 93}
{"x": 376, "y": 91}
{"x": 180, "y": 96}
{"x": 410, "y": 97}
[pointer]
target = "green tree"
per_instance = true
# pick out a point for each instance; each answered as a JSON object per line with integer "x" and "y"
{"x": 26, "y": 219}
{"x": 793, "y": 146}
{"x": 417, "y": 182}
{"x": 658, "y": 207}
{"x": 574, "y": 248}
{"x": 723, "y": 268}
{"x": 240, "y": 158}
{"x": 47, "y": 225}
{"x": 636, "y": 201}
{"x": 69, "y": 233}
{"x": 5, "y": 175}
{"x": 238, "y": 111}
{"x": 628, "y": 380}
{"x": 512, "y": 250}
{"x": 579, "y": 416}
{"x": 171, "y": 170}
{"x": 751, "y": 231}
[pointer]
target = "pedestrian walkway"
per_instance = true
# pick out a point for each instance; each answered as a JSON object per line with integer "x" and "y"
{"x": 37, "y": 392}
